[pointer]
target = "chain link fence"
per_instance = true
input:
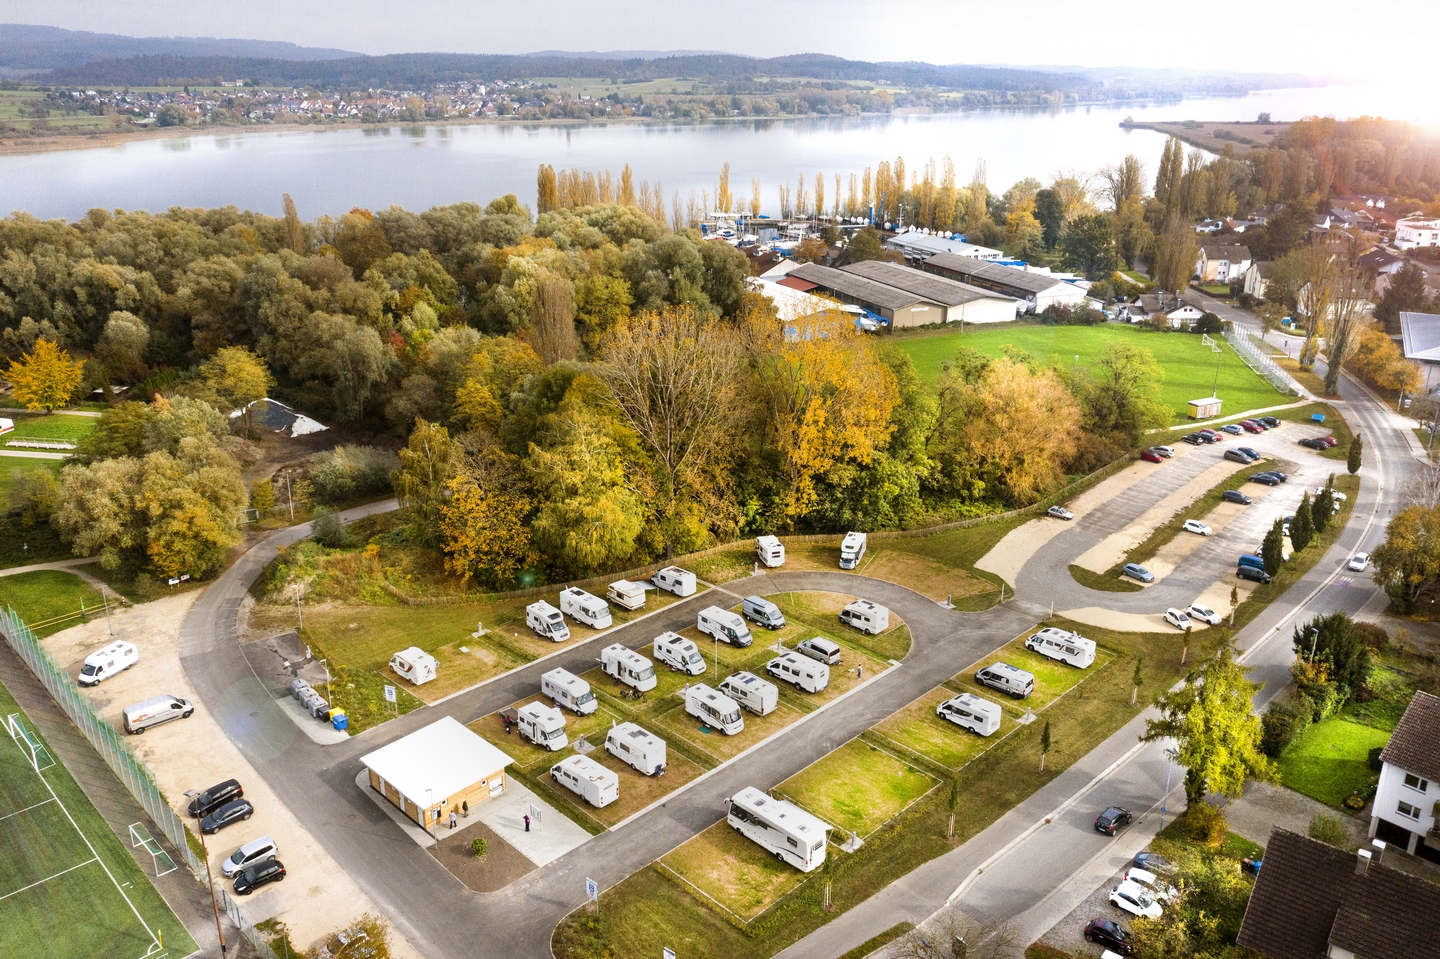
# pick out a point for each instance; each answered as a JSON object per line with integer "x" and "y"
{"x": 1258, "y": 359}
{"x": 127, "y": 767}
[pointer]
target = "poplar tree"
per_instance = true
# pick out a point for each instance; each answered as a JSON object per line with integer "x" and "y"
{"x": 1352, "y": 462}
{"x": 1302, "y": 529}
{"x": 1272, "y": 549}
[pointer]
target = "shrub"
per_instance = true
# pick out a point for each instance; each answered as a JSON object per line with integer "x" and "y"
{"x": 1374, "y": 635}
{"x": 350, "y": 471}
{"x": 1287, "y": 717}
{"x": 479, "y": 847}
{"x": 1205, "y": 824}
{"x": 329, "y": 530}
{"x": 1373, "y": 758}
{"x": 1327, "y": 828}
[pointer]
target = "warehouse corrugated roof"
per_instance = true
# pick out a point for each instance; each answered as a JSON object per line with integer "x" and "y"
{"x": 1003, "y": 275}
{"x": 935, "y": 288}
{"x": 858, "y": 287}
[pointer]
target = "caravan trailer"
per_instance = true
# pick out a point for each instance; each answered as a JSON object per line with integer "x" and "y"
{"x": 542, "y": 725}
{"x": 971, "y": 712}
{"x": 801, "y": 671}
{"x": 675, "y": 580}
{"x": 115, "y": 658}
{"x": 546, "y": 621}
{"x": 644, "y": 750}
{"x": 724, "y": 625}
{"x": 852, "y": 550}
{"x": 866, "y": 616}
{"x": 414, "y": 664}
{"x": 755, "y": 694}
{"x": 779, "y": 826}
{"x": 587, "y": 779}
{"x": 677, "y": 652}
{"x": 585, "y": 608}
{"x": 1063, "y": 645}
{"x": 568, "y": 690}
{"x": 770, "y": 551}
{"x": 628, "y": 666}
{"x": 714, "y": 709}
{"x": 626, "y": 594}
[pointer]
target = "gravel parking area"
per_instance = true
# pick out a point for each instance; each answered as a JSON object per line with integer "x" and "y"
{"x": 1068, "y": 933}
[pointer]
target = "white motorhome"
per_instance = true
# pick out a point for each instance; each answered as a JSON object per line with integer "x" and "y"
{"x": 755, "y": 694}
{"x": 779, "y": 826}
{"x": 724, "y": 625}
{"x": 414, "y": 664}
{"x": 546, "y": 621}
{"x": 568, "y": 690}
{"x": 714, "y": 709}
{"x": 542, "y": 725}
{"x": 675, "y": 580}
{"x": 1063, "y": 645}
{"x": 628, "y": 666}
{"x": 644, "y": 750}
{"x": 971, "y": 712}
{"x": 801, "y": 671}
{"x": 866, "y": 616}
{"x": 587, "y": 779}
{"x": 626, "y": 594}
{"x": 770, "y": 551}
{"x": 153, "y": 712}
{"x": 115, "y": 658}
{"x": 585, "y": 608}
{"x": 852, "y": 550}
{"x": 677, "y": 652}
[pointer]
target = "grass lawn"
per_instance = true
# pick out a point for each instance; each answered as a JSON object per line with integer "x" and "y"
{"x": 48, "y": 595}
{"x": 57, "y": 426}
{"x": 10, "y": 466}
{"x": 1189, "y": 365}
{"x": 68, "y": 886}
{"x": 1218, "y": 290}
{"x": 918, "y": 729}
{"x": 857, "y": 788}
{"x": 1109, "y": 582}
{"x": 22, "y": 545}
{"x": 1307, "y": 378}
{"x": 1330, "y": 760}
{"x": 962, "y": 548}
{"x": 732, "y": 870}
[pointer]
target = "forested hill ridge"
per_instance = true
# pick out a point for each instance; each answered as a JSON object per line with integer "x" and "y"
{"x": 28, "y": 48}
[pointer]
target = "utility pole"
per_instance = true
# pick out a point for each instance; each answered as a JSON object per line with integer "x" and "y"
{"x": 300, "y": 615}
{"x": 107, "y": 611}
{"x": 210, "y": 881}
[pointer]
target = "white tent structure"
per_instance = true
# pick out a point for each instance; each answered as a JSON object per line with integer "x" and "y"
{"x": 431, "y": 772}
{"x": 278, "y": 418}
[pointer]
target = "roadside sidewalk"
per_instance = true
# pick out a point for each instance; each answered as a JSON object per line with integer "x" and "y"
{"x": 58, "y": 564}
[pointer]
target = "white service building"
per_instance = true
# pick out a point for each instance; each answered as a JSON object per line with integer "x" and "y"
{"x": 428, "y": 774}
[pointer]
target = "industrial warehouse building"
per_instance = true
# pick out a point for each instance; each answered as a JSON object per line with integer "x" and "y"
{"x": 1036, "y": 290}
{"x": 962, "y": 302}
{"x": 917, "y": 246}
{"x": 436, "y": 771}
{"x": 903, "y": 296}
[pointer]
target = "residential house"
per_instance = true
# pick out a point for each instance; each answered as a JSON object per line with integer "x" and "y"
{"x": 1257, "y": 278}
{"x": 1302, "y": 302}
{"x": 1180, "y": 313}
{"x": 1222, "y": 262}
{"x": 1407, "y": 799}
{"x": 1381, "y": 262}
{"x": 1035, "y": 290}
{"x": 1413, "y": 231}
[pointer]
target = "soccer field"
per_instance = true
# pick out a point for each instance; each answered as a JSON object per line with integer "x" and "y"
{"x": 69, "y": 888}
{"x": 1189, "y": 364}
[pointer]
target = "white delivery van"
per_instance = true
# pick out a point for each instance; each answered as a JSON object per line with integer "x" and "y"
{"x": 852, "y": 550}
{"x": 760, "y": 610}
{"x": 546, "y": 621}
{"x": 755, "y": 694}
{"x": 568, "y": 690}
{"x": 675, "y": 580}
{"x": 153, "y": 712}
{"x": 414, "y": 664}
{"x": 587, "y": 779}
{"x": 724, "y": 625}
{"x": 866, "y": 616}
{"x": 677, "y": 652}
{"x": 542, "y": 725}
{"x": 626, "y": 594}
{"x": 644, "y": 750}
{"x": 628, "y": 666}
{"x": 115, "y": 658}
{"x": 780, "y": 827}
{"x": 585, "y": 608}
{"x": 971, "y": 712}
{"x": 770, "y": 550}
{"x": 714, "y": 709}
{"x": 1063, "y": 645}
{"x": 801, "y": 671}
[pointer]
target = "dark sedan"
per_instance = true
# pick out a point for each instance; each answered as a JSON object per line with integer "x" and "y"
{"x": 1251, "y": 573}
{"x": 1248, "y": 451}
{"x": 227, "y": 815}
{"x": 1269, "y": 422}
{"x": 271, "y": 870}
{"x": 1267, "y": 479}
{"x": 1315, "y": 444}
{"x": 1112, "y": 819}
{"x": 1235, "y": 496}
{"x": 1110, "y": 935}
{"x": 1152, "y": 862}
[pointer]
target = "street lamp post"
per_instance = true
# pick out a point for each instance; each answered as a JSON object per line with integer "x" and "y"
{"x": 1171, "y": 755}
{"x": 434, "y": 830}
{"x": 106, "y": 601}
{"x": 1314, "y": 638}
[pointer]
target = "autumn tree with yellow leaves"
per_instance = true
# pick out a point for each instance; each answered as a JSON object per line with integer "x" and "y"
{"x": 44, "y": 378}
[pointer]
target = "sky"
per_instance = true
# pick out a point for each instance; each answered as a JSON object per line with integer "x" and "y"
{"x": 1258, "y": 35}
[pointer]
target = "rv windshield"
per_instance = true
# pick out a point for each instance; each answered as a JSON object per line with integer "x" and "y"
{"x": 694, "y": 658}
{"x": 89, "y": 670}
{"x": 589, "y": 697}
{"x": 729, "y": 718}
{"x": 555, "y": 734}
{"x": 647, "y": 673}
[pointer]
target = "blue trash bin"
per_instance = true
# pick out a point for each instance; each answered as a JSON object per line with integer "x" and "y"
{"x": 1318, "y": 417}
{"x": 341, "y": 721}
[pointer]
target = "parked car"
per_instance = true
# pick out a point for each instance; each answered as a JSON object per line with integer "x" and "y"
{"x": 1194, "y": 439}
{"x": 1235, "y": 496}
{"x": 1160, "y": 890}
{"x": 1335, "y": 494}
{"x": 237, "y": 810}
{"x": 1195, "y": 526}
{"x": 1154, "y": 862}
{"x": 1232, "y": 429}
{"x": 271, "y": 870}
{"x": 1164, "y": 451}
{"x": 1203, "y": 613}
{"x": 821, "y": 650}
{"x": 1359, "y": 562}
{"x": 1265, "y": 479}
{"x": 1315, "y": 444}
{"x": 1248, "y": 452}
{"x": 1136, "y": 571}
{"x": 1112, "y": 819}
{"x": 1177, "y": 618}
{"x": 1251, "y": 573}
{"x": 1110, "y": 935}
{"x": 215, "y": 797}
{"x": 1250, "y": 426}
{"x": 1329, "y": 441}
{"x": 1212, "y": 435}
{"x": 1059, "y": 512}
{"x": 252, "y": 853}
{"x": 1150, "y": 456}
{"x": 1135, "y": 899}
{"x": 1238, "y": 456}
{"x": 1269, "y": 422}
{"x": 1282, "y": 477}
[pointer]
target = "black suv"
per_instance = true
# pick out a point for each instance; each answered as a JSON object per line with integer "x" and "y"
{"x": 1268, "y": 421}
{"x": 215, "y": 797}
{"x": 1112, "y": 819}
{"x": 1110, "y": 935}
{"x": 1250, "y": 572}
{"x": 271, "y": 870}
{"x": 1315, "y": 444}
{"x": 1269, "y": 479}
{"x": 1194, "y": 439}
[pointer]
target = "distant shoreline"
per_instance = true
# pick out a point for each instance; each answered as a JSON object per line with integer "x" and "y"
{"x": 1214, "y": 135}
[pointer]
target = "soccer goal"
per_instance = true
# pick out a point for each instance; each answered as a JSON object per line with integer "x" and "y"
{"x": 28, "y": 742}
{"x": 159, "y": 858}
{"x": 1206, "y": 340}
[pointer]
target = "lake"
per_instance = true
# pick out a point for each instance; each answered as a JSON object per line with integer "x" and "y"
{"x": 330, "y": 171}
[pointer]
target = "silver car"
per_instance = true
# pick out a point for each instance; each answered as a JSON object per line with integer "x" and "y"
{"x": 1059, "y": 512}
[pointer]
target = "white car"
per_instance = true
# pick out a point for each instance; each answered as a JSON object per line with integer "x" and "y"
{"x": 1059, "y": 512}
{"x": 1204, "y": 614}
{"x": 1335, "y": 494}
{"x": 1195, "y": 526}
{"x": 1177, "y": 618}
{"x": 1135, "y": 899}
{"x": 1158, "y": 889}
{"x": 1359, "y": 562}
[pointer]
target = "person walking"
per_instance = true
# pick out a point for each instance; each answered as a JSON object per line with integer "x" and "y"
{"x": 858, "y": 668}
{"x": 527, "y": 823}
{"x": 454, "y": 819}
{"x": 465, "y": 808}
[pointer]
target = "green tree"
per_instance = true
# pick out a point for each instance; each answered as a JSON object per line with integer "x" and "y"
{"x": 427, "y": 463}
{"x": 1338, "y": 642}
{"x": 1050, "y": 211}
{"x": 122, "y": 346}
{"x": 237, "y": 378}
{"x": 1044, "y": 744}
{"x": 1204, "y": 921}
{"x": 34, "y": 495}
{"x": 1088, "y": 246}
{"x": 1210, "y": 719}
{"x": 1302, "y": 528}
{"x": 1406, "y": 293}
{"x": 1408, "y": 561}
{"x": 262, "y": 496}
{"x": 1322, "y": 508}
{"x": 483, "y": 522}
{"x": 1272, "y": 549}
{"x": 45, "y": 378}
{"x": 120, "y": 431}
{"x": 1352, "y": 460}
{"x": 866, "y": 245}
{"x": 1124, "y": 394}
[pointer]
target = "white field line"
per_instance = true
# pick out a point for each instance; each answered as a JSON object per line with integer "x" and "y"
{"x": 26, "y": 809}
{"x": 42, "y": 882}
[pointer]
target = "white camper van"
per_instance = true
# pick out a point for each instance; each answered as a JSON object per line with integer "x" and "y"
{"x": 755, "y": 694}
{"x": 866, "y": 616}
{"x": 714, "y": 709}
{"x": 801, "y": 671}
{"x": 115, "y": 658}
{"x": 852, "y": 550}
{"x": 644, "y": 750}
{"x": 568, "y": 690}
{"x": 585, "y": 608}
{"x": 677, "y": 652}
{"x": 1063, "y": 645}
{"x": 626, "y": 594}
{"x": 971, "y": 712}
{"x": 153, "y": 712}
{"x": 675, "y": 580}
{"x": 724, "y": 625}
{"x": 760, "y": 610}
{"x": 414, "y": 664}
{"x": 779, "y": 826}
{"x": 587, "y": 779}
{"x": 546, "y": 621}
{"x": 542, "y": 725}
{"x": 770, "y": 550}
{"x": 628, "y": 666}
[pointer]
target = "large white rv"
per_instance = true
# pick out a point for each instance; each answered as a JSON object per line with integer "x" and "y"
{"x": 546, "y": 621}
{"x": 414, "y": 664}
{"x": 680, "y": 653}
{"x": 628, "y": 666}
{"x": 770, "y": 551}
{"x": 640, "y": 748}
{"x": 585, "y": 608}
{"x": 852, "y": 550}
{"x": 866, "y": 616}
{"x": 568, "y": 690}
{"x": 542, "y": 725}
{"x": 624, "y": 593}
{"x": 809, "y": 674}
{"x": 755, "y": 694}
{"x": 115, "y": 658}
{"x": 675, "y": 580}
{"x": 779, "y": 826}
{"x": 588, "y": 779}
{"x": 714, "y": 709}
{"x": 724, "y": 625}
{"x": 1063, "y": 645}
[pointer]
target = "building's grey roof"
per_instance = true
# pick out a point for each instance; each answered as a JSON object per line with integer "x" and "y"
{"x": 1420, "y": 336}
{"x": 934, "y": 288}
{"x": 928, "y": 243}
{"x": 1164, "y": 303}
{"x": 1415, "y": 744}
{"x": 991, "y": 272}
{"x": 1263, "y": 267}
{"x": 858, "y": 287}
{"x": 1379, "y": 259}
{"x": 1233, "y": 252}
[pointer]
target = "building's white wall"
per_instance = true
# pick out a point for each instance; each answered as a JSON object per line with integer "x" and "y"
{"x": 1338, "y": 953}
{"x": 1410, "y": 233}
{"x": 985, "y": 311}
{"x": 1393, "y": 791}
{"x": 1063, "y": 293}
